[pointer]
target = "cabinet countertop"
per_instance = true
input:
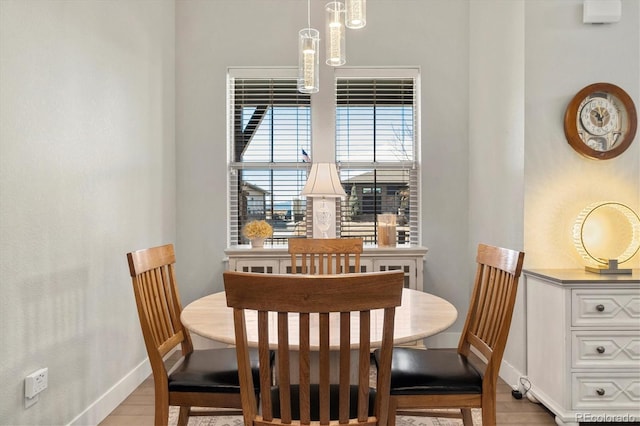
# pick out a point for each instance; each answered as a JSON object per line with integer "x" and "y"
{"x": 575, "y": 276}
{"x": 282, "y": 250}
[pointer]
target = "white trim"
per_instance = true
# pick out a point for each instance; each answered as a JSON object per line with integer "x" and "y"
{"x": 110, "y": 400}
{"x": 511, "y": 375}
{"x": 367, "y": 72}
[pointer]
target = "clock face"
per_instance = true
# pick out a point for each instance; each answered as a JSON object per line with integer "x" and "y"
{"x": 600, "y": 121}
{"x": 599, "y": 116}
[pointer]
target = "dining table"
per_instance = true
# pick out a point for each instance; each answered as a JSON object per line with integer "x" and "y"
{"x": 420, "y": 315}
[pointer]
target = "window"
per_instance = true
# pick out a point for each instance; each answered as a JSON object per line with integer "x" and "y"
{"x": 377, "y": 154}
{"x": 376, "y": 151}
{"x": 271, "y": 132}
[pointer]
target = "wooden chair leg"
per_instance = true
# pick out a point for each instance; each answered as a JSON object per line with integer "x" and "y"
{"x": 161, "y": 409}
{"x": 183, "y": 418}
{"x": 489, "y": 415}
{"x": 392, "y": 414}
{"x": 467, "y": 418}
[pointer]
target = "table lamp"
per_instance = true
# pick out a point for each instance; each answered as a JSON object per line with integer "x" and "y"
{"x": 607, "y": 234}
{"x": 323, "y": 185}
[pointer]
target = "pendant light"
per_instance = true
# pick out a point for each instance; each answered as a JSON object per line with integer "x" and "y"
{"x": 356, "y": 14}
{"x": 335, "y": 45}
{"x": 308, "y": 57}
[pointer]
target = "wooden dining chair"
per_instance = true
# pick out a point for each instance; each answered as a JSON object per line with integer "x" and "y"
{"x": 318, "y": 256}
{"x": 204, "y": 378}
{"x": 300, "y": 311}
{"x": 444, "y": 379}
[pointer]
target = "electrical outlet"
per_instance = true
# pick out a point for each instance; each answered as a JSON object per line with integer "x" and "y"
{"x": 36, "y": 382}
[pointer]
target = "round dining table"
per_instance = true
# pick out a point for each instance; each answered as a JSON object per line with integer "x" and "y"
{"x": 420, "y": 315}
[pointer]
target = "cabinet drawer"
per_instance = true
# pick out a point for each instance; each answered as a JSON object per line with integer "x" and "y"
{"x": 606, "y": 391}
{"x": 266, "y": 266}
{"x": 605, "y": 308}
{"x": 605, "y": 349}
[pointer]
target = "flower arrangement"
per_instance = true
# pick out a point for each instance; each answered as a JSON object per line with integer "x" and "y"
{"x": 257, "y": 229}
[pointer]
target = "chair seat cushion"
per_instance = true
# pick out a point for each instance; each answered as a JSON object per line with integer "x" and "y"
{"x": 432, "y": 372}
{"x": 211, "y": 370}
{"x": 315, "y": 401}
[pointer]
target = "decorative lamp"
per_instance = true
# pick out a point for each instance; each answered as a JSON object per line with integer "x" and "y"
{"x": 607, "y": 234}
{"x": 335, "y": 44}
{"x": 323, "y": 185}
{"x": 308, "y": 60}
{"x": 356, "y": 14}
{"x": 308, "y": 57}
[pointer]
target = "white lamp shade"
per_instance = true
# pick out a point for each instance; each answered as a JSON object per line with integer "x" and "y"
{"x": 323, "y": 181}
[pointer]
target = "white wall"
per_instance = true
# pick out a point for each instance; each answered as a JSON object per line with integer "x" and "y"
{"x": 87, "y": 173}
{"x": 527, "y": 185}
{"x": 563, "y": 55}
{"x": 496, "y": 142}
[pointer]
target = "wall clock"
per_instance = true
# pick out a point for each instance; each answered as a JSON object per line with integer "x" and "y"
{"x": 600, "y": 121}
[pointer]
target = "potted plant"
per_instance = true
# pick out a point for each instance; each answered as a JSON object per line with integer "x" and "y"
{"x": 256, "y": 231}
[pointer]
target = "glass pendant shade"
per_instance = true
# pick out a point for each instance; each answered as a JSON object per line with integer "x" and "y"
{"x": 356, "y": 14}
{"x": 308, "y": 60}
{"x": 335, "y": 44}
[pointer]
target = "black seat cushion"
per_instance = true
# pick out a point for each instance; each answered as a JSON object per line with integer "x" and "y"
{"x": 432, "y": 372}
{"x": 315, "y": 401}
{"x": 211, "y": 370}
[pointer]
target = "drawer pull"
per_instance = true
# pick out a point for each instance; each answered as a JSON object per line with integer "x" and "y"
{"x": 600, "y": 391}
{"x": 600, "y": 349}
{"x": 600, "y": 308}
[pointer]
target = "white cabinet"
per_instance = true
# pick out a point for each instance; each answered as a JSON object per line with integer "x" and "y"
{"x": 276, "y": 260}
{"x": 583, "y": 344}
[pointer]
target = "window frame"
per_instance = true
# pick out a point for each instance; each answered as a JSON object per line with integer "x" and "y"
{"x": 318, "y": 103}
{"x": 414, "y": 165}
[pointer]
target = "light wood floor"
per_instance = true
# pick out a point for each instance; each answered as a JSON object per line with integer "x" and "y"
{"x": 137, "y": 409}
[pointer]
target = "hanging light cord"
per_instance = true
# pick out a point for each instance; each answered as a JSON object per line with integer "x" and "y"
{"x": 308, "y": 13}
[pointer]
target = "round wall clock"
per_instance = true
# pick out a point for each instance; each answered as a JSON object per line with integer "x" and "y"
{"x": 600, "y": 121}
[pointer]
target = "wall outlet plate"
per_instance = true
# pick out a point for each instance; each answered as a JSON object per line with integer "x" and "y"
{"x": 601, "y": 11}
{"x": 36, "y": 382}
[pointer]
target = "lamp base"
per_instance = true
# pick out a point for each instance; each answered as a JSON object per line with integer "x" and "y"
{"x": 611, "y": 268}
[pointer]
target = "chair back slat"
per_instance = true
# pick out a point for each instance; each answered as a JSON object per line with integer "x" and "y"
{"x": 363, "y": 363}
{"x": 314, "y": 306}
{"x": 345, "y": 365}
{"x": 305, "y": 368}
{"x": 325, "y": 366}
{"x": 325, "y": 256}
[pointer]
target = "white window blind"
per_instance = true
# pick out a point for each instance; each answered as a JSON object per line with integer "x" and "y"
{"x": 376, "y": 149}
{"x": 270, "y": 128}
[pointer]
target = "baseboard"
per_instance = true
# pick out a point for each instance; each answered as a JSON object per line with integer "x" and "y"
{"x": 511, "y": 375}
{"x": 109, "y": 401}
